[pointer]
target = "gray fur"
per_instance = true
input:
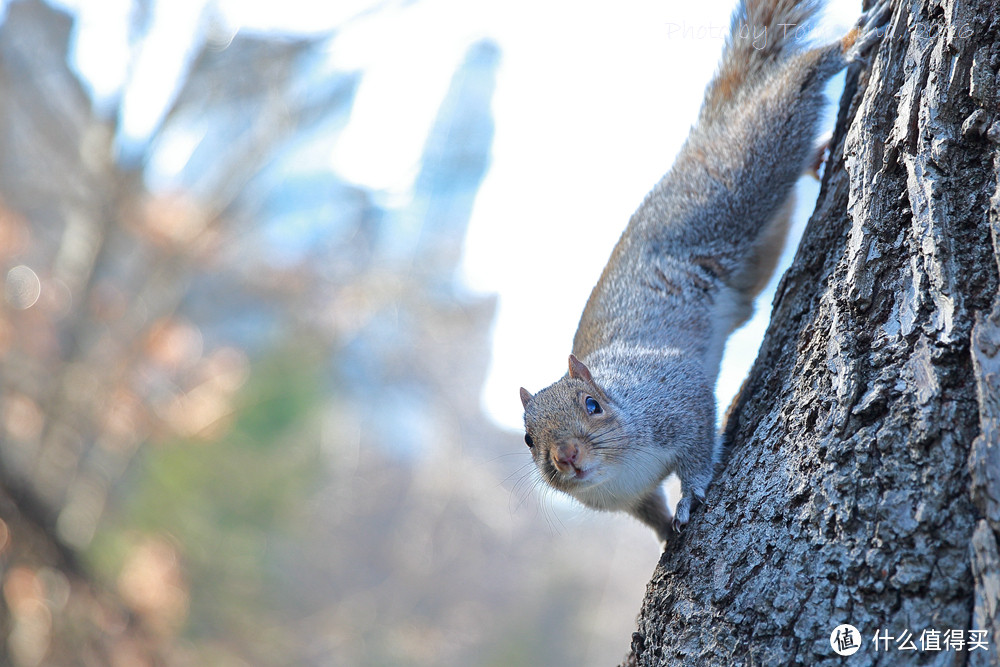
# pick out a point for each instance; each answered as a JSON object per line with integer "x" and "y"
{"x": 684, "y": 274}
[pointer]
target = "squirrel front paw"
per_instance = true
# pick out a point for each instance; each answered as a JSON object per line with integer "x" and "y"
{"x": 682, "y": 514}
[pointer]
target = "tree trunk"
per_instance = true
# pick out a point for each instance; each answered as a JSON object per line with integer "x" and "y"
{"x": 863, "y": 483}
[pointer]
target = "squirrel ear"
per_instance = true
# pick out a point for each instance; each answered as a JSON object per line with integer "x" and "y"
{"x": 578, "y": 370}
{"x": 525, "y": 397}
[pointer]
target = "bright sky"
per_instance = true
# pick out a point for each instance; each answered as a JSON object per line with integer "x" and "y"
{"x": 591, "y": 105}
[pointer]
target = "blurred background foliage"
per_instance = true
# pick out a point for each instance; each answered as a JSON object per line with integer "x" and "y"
{"x": 239, "y": 396}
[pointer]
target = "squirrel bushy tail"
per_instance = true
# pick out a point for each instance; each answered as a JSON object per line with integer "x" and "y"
{"x": 728, "y": 196}
{"x": 761, "y": 32}
{"x": 716, "y": 222}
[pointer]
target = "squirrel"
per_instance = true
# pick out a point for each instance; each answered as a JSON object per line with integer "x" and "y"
{"x": 637, "y": 403}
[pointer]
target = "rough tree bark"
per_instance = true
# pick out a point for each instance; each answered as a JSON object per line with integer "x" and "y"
{"x": 863, "y": 484}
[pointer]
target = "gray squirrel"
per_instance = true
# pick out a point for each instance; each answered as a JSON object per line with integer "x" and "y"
{"x": 638, "y": 401}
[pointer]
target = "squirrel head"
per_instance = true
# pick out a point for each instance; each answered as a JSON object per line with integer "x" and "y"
{"x": 574, "y": 431}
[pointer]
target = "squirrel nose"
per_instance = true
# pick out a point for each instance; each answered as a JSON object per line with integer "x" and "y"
{"x": 564, "y": 456}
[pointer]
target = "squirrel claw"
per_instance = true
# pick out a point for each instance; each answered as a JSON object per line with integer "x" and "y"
{"x": 682, "y": 514}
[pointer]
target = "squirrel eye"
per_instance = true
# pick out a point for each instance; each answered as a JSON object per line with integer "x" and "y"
{"x": 528, "y": 441}
{"x": 593, "y": 407}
